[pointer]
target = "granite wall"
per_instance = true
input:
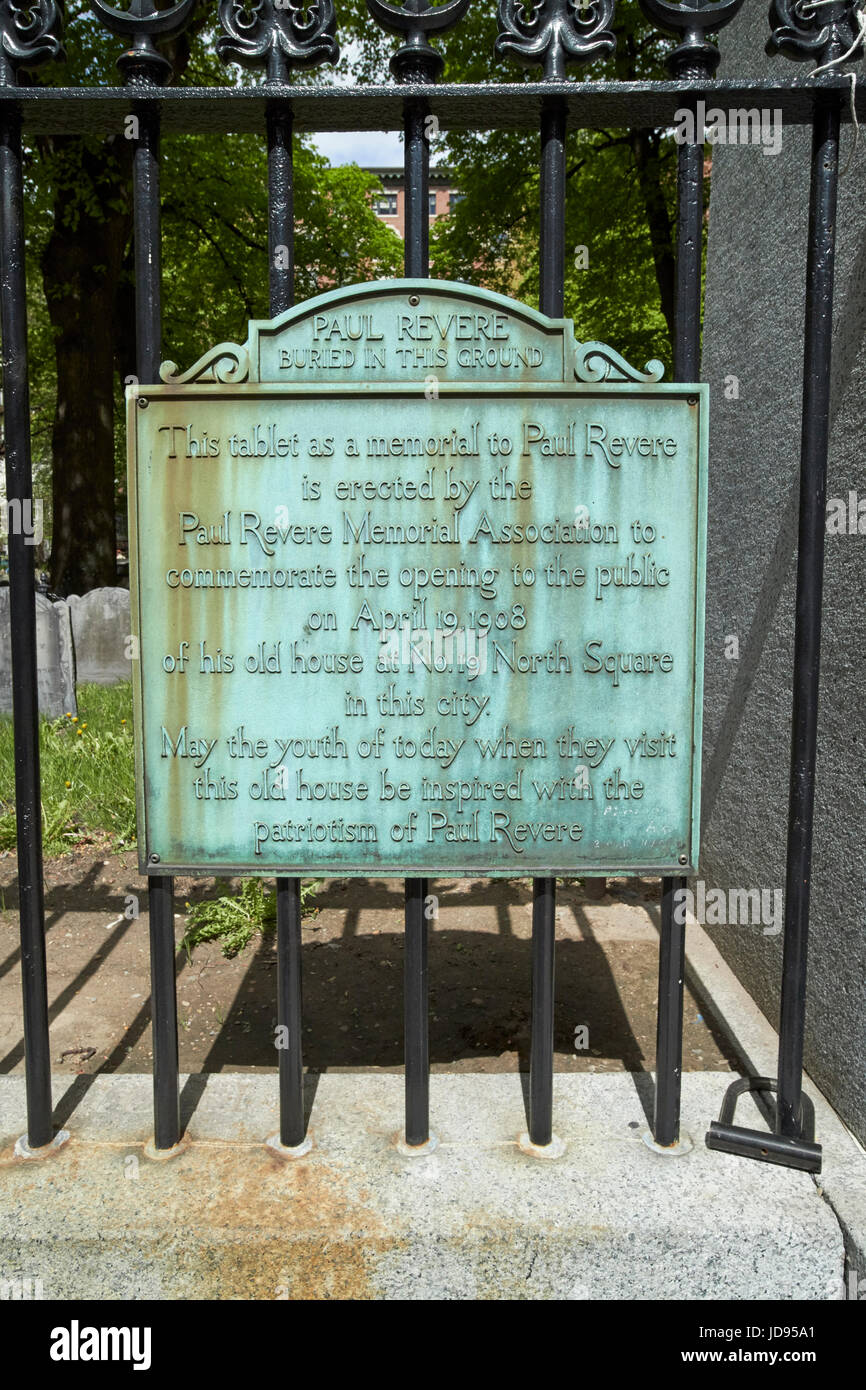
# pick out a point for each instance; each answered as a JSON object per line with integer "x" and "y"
{"x": 753, "y": 333}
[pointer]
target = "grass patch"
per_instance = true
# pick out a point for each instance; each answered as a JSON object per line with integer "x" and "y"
{"x": 88, "y": 772}
{"x": 234, "y": 919}
{"x": 88, "y": 791}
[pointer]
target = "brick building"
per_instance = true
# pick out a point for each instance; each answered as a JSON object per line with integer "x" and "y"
{"x": 390, "y": 204}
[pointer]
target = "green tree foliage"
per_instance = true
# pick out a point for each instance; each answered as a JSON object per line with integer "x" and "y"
{"x": 215, "y": 239}
{"x": 621, "y": 187}
{"x": 619, "y": 208}
{"x": 82, "y": 308}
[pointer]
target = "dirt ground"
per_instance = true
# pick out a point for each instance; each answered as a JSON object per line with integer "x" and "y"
{"x": 99, "y": 992}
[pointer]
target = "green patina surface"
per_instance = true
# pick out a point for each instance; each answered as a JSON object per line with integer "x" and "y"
{"x": 418, "y": 583}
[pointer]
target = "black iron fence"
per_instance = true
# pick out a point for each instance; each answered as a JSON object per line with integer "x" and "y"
{"x": 280, "y": 38}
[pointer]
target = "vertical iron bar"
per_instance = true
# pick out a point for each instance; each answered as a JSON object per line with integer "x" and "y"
{"x": 416, "y": 234}
{"x": 281, "y": 280}
{"x": 810, "y": 578}
{"x": 25, "y": 699}
{"x": 289, "y": 1007}
{"x": 552, "y": 241}
{"x": 416, "y": 200}
{"x": 163, "y": 993}
{"x": 690, "y": 231}
{"x": 687, "y": 352}
{"x": 415, "y": 1014}
{"x": 148, "y": 337}
{"x": 148, "y": 246}
{"x": 541, "y": 1046}
{"x": 551, "y": 302}
{"x": 281, "y": 215}
{"x": 669, "y": 1025}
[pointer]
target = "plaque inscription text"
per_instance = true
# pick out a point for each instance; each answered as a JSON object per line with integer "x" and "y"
{"x": 418, "y": 587}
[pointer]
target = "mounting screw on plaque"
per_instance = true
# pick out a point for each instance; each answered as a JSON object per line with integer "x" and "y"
{"x": 154, "y": 859}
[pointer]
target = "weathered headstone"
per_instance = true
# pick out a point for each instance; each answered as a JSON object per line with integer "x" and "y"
{"x": 100, "y": 632}
{"x": 54, "y": 657}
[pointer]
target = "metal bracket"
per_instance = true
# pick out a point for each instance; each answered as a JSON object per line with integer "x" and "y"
{"x": 767, "y": 1147}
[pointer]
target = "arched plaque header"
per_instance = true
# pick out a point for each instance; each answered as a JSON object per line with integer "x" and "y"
{"x": 403, "y": 330}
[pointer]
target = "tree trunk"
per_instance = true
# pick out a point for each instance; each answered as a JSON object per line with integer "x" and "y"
{"x": 81, "y": 269}
{"x": 645, "y": 151}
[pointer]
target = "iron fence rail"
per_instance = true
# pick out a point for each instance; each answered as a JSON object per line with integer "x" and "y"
{"x": 484, "y": 106}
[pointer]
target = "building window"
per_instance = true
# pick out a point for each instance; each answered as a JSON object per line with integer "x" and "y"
{"x": 385, "y": 204}
{"x": 454, "y": 199}
{"x": 432, "y": 204}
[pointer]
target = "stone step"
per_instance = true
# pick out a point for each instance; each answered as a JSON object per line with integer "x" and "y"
{"x": 477, "y": 1218}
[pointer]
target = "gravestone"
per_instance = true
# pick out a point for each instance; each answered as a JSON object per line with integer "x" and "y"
{"x": 54, "y": 657}
{"x": 100, "y": 632}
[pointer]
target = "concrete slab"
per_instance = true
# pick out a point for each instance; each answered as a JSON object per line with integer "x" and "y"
{"x": 475, "y": 1219}
{"x": 842, "y": 1182}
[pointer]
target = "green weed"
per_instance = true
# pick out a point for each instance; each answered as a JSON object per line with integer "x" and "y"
{"x": 234, "y": 919}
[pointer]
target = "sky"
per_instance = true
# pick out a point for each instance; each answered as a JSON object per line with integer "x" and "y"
{"x": 377, "y": 149}
{"x": 369, "y": 148}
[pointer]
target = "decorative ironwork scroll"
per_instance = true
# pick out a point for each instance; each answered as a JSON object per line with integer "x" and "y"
{"x": 803, "y": 29}
{"x": 278, "y": 36}
{"x": 143, "y": 22}
{"x": 29, "y": 34}
{"x": 556, "y": 32}
{"x": 693, "y": 19}
{"x": 417, "y": 60}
